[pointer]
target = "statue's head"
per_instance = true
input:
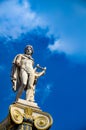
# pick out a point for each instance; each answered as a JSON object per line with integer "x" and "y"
{"x": 28, "y": 50}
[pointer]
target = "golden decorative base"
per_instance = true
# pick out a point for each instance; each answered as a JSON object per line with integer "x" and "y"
{"x": 25, "y": 115}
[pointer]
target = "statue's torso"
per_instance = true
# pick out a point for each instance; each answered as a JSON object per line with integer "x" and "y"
{"x": 27, "y": 64}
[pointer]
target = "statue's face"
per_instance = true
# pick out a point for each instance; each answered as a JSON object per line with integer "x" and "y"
{"x": 29, "y": 50}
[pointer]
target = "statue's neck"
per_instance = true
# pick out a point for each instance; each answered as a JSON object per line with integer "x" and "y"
{"x": 28, "y": 56}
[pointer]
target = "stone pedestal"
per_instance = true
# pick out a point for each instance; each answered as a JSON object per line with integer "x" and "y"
{"x": 25, "y": 115}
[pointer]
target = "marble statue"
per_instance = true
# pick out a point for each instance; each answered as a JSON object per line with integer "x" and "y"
{"x": 24, "y": 76}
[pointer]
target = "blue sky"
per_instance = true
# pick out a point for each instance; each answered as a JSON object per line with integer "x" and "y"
{"x": 57, "y": 31}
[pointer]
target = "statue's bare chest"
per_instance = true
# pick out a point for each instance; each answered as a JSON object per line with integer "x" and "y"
{"x": 27, "y": 63}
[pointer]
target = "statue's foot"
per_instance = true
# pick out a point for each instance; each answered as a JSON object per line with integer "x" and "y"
{"x": 29, "y": 100}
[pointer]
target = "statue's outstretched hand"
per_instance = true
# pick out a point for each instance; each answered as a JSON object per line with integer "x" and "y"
{"x": 44, "y": 70}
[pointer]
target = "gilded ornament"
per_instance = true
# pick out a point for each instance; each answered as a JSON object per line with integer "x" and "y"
{"x": 16, "y": 116}
{"x": 28, "y": 111}
{"x": 42, "y": 122}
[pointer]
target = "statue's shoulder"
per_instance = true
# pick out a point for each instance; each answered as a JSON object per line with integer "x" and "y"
{"x": 16, "y": 57}
{"x": 19, "y": 55}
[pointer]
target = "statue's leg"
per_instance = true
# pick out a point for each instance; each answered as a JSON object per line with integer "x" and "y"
{"x": 30, "y": 88}
{"x": 24, "y": 78}
{"x": 30, "y": 94}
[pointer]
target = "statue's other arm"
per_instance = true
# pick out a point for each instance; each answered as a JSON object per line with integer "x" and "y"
{"x": 15, "y": 71}
{"x": 38, "y": 74}
{"x": 18, "y": 60}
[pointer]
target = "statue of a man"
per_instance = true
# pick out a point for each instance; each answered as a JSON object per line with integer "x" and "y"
{"x": 23, "y": 74}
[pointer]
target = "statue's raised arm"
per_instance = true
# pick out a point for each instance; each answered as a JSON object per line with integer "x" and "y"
{"x": 24, "y": 75}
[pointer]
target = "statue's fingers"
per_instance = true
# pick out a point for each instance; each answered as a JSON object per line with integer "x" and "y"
{"x": 45, "y": 68}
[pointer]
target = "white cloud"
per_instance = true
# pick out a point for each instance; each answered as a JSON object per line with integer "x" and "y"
{"x": 61, "y": 46}
{"x": 69, "y": 23}
{"x": 74, "y": 51}
{"x": 17, "y": 18}
{"x": 55, "y": 46}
